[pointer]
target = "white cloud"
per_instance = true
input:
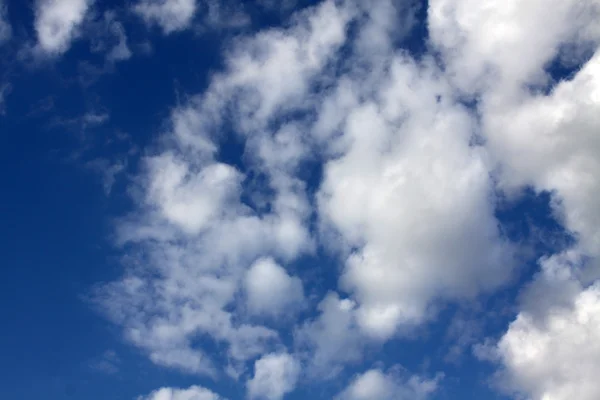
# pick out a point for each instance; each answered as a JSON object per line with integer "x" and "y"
{"x": 170, "y": 15}
{"x": 275, "y": 375}
{"x": 374, "y": 384}
{"x": 503, "y": 44}
{"x": 5, "y": 27}
{"x": 500, "y": 50}
{"x": 556, "y": 355}
{"x": 332, "y": 339}
{"x": 412, "y": 196}
{"x": 191, "y": 393}
{"x": 406, "y": 201}
{"x": 271, "y": 290}
{"x": 550, "y": 142}
{"x": 182, "y": 283}
{"x": 57, "y": 23}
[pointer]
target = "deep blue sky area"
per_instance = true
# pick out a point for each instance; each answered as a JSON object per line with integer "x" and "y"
{"x": 57, "y": 219}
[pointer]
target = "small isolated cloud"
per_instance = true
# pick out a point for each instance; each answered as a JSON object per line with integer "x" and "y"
{"x": 375, "y": 384}
{"x": 170, "y": 15}
{"x": 57, "y": 23}
{"x": 191, "y": 393}
{"x": 270, "y": 290}
{"x": 275, "y": 375}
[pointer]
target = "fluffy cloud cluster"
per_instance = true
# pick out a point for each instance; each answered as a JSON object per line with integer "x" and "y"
{"x": 501, "y": 51}
{"x": 205, "y": 246}
{"x": 555, "y": 357}
{"x": 412, "y": 152}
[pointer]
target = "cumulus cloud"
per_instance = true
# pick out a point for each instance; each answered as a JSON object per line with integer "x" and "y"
{"x": 406, "y": 189}
{"x": 183, "y": 283}
{"x": 332, "y": 339}
{"x": 375, "y": 384}
{"x": 57, "y": 23}
{"x": 170, "y": 15}
{"x": 558, "y": 132}
{"x": 191, "y": 393}
{"x": 275, "y": 375}
{"x": 406, "y": 202}
{"x": 554, "y": 355}
{"x": 503, "y": 44}
{"x": 270, "y": 289}
{"x": 548, "y": 141}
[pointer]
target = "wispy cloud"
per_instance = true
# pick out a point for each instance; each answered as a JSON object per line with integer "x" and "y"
{"x": 108, "y": 363}
{"x": 170, "y": 15}
{"x": 5, "y": 26}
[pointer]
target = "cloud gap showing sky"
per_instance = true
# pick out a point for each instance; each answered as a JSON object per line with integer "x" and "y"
{"x": 329, "y": 199}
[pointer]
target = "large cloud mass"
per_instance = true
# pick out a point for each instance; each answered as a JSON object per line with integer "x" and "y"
{"x": 413, "y": 153}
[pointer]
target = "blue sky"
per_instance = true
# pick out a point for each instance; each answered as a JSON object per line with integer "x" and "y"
{"x": 293, "y": 199}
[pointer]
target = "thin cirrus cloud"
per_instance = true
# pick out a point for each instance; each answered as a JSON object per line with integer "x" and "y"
{"x": 406, "y": 202}
{"x": 5, "y": 27}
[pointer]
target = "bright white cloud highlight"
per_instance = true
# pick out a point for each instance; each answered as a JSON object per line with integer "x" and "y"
{"x": 375, "y": 384}
{"x": 504, "y": 44}
{"x": 555, "y": 357}
{"x": 407, "y": 190}
{"x": 270, "y": 290}
{"x": 57, "y": 23}
{"x": 275, "y": 375}
{"x": 191, "y": 393}
{"x": 170, "y": 15}
{"x": 551, "y": 142}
